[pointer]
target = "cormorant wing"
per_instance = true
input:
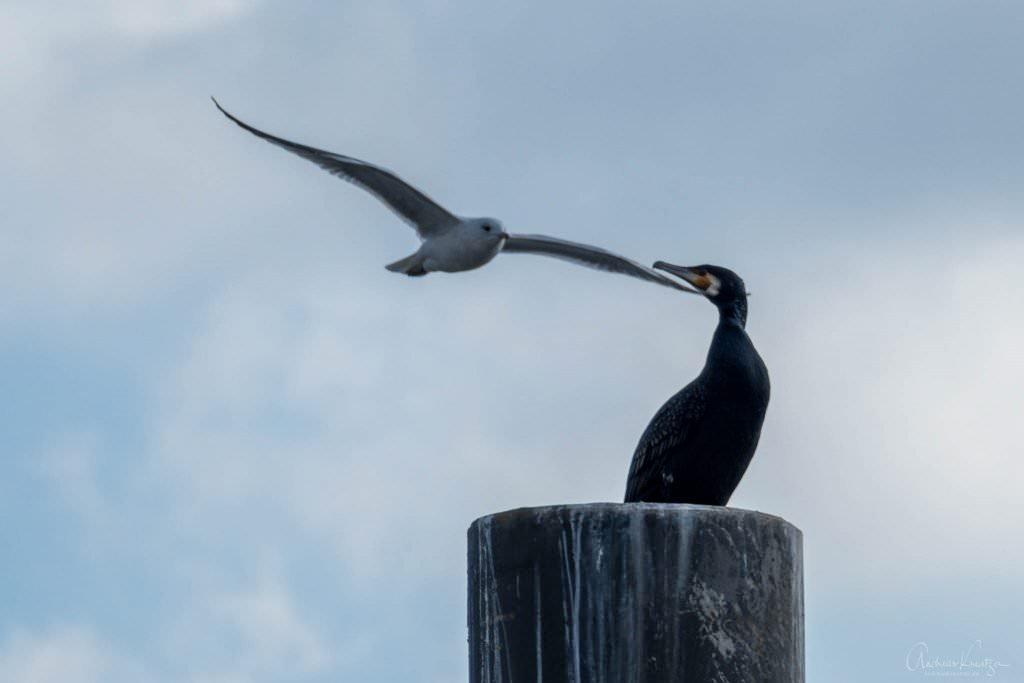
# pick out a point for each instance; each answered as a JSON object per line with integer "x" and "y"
{"x": 417, "y": 209}
{"x": 667, "y": 432}
{"x": 586, "y": 255}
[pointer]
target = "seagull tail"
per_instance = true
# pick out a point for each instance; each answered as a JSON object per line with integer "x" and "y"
{"x": 410, "y": 265}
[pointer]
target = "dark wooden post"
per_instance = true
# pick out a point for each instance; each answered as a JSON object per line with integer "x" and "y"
{"x": 635, "y": 593}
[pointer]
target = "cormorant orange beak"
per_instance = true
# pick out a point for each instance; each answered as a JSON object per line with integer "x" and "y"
{"x": 701, "y": 282}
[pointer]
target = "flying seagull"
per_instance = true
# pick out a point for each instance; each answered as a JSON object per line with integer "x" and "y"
{"x": 698, "y": 445}
{"x": 451, "y": 243}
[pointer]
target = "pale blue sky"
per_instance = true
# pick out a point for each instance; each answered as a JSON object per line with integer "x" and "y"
{"x": 236, "y": 450}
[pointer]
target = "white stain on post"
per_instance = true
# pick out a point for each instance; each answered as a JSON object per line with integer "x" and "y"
{"x": 607, "y": 593}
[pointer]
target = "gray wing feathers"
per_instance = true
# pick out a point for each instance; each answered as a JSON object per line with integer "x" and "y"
{"x": 586, "y": 255}
{"x": 420, "y": 211}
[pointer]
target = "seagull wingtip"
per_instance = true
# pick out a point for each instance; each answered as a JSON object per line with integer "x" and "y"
{"x": 225, "y": 111}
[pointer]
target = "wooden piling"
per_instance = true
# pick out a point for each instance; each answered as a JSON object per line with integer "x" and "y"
{"x": 635, "y": 593}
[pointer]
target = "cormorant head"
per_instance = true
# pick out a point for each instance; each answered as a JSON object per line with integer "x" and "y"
{"x": 724, "y": 288}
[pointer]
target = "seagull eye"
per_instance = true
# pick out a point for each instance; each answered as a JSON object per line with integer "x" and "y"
{"x": 486, "y": 228}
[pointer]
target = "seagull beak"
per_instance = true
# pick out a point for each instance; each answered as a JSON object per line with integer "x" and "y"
{"x": 701, "y": 282}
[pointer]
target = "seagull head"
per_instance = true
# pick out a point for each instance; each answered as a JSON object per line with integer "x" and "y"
{"x": 487, "y": 232}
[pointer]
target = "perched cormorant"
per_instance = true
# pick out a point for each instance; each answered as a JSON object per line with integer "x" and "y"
{"x": 698, "y": 445}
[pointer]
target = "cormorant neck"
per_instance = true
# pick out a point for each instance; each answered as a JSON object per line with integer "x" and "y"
{"x": 733, "y": 312}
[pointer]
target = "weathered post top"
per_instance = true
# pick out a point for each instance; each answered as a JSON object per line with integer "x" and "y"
{"x": 635, "y": 593}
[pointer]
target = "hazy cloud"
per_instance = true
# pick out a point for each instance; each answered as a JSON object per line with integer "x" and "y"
{"x": 242, "y": 451}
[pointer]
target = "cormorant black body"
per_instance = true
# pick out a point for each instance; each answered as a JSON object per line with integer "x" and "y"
{"x": 698, "y": 445}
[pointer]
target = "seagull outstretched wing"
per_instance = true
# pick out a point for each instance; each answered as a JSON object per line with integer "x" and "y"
{"x": 417, "y": 209}
{"x": 587, "y": 255}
